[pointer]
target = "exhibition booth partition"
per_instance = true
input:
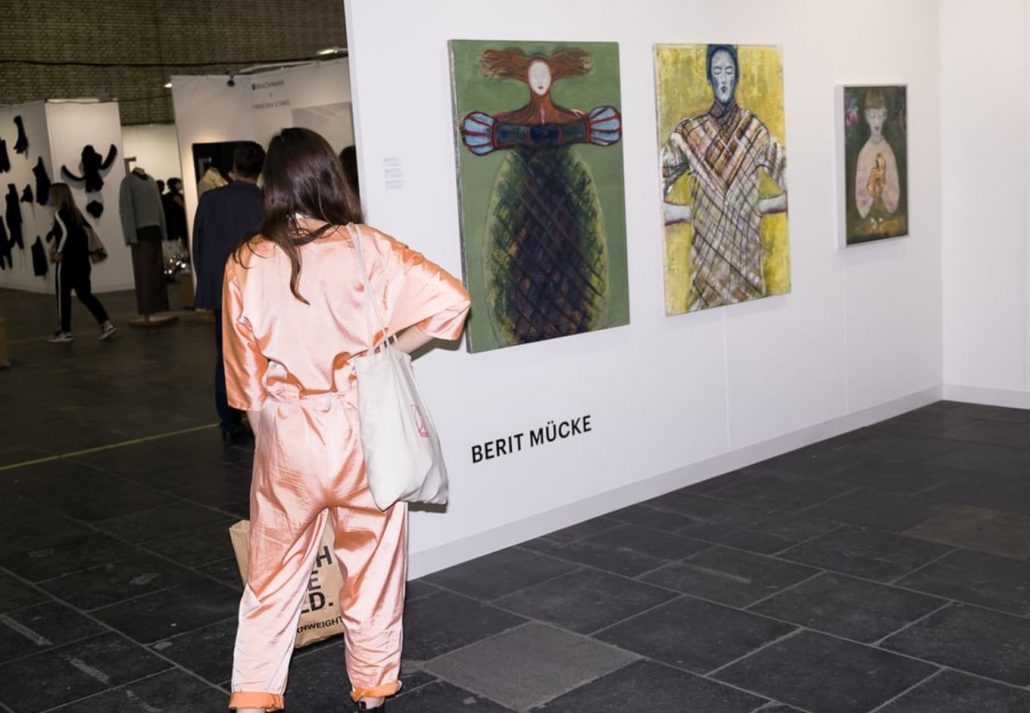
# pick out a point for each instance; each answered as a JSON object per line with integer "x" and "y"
{"x": 683, "y": 257}
{"x": 472, "y": 126}
{"x": 213, "y": 112}
{"x": 75, "y": 141}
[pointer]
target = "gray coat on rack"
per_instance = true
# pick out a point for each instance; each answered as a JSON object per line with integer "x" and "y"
{"x": 139, "y": 203}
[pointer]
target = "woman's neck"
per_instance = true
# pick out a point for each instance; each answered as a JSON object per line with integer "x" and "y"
{"x": 307, "y": 223}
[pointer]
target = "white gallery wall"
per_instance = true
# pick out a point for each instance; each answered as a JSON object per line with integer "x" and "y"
{"x": 672, "y": 400}
{"x": 984, "y": 200}
{"x": 72, "y": 125}
{"x": 37, "y": 219}
{"x": 218, "y": 108}
{"x": 57, "y": 131}
{"x": 153, "y": 147}
{"x": 207, "y": 110}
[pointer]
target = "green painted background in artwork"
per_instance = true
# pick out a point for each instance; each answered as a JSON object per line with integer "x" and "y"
{"x": 683, "y": 91}
{"x": 474, "y": 92}
{"x": 895, "y": 131}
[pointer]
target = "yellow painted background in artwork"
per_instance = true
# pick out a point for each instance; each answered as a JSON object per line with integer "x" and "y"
{"x": 683, "y": 91}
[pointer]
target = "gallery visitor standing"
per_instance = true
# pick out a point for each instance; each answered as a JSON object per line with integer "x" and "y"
{"x": 71, "y": 251}
{"x": 175, "y": 214}
{"x": 224, "y": 217}
{"x": 295, "y": 322}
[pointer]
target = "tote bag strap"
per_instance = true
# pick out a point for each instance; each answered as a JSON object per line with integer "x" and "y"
{"x": 371, "y": 303}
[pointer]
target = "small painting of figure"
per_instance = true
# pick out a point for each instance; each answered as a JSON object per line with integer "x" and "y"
{"x": 875, "y": 163}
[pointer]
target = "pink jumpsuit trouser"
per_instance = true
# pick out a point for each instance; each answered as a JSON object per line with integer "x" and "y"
{"x": 309, "y": 467}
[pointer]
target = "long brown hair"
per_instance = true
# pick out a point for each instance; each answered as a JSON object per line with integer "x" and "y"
{"x": 514, "y": 63}
{"x": 302, "y": 177}
{"x": 61, "y": 199}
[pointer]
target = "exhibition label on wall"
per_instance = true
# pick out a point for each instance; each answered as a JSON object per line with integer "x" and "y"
{"x": 310, "y": 96}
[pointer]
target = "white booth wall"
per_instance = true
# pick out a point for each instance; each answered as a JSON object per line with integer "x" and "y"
{"x": 154, "y": 148}
{"x": 57, "y": 131}
{"x": 218, "y": 108}
{"x": 985, "y": 67}
{"x": 37, "y": 219}
{"x": 672, "y": 400}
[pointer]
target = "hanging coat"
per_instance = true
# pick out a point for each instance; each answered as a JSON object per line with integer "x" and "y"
{"x": 14, "y": 216}
{"x": 22, "y": 144}
{"x": 40, "y": 265}
{"x": 42, "y": 182}
{"x": 92, "y": 165}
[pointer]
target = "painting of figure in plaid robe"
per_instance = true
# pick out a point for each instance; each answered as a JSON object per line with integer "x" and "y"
{"x": 540, "y": 181}
{"x": 723, "y": 169}
{"x": 875, "y": 162}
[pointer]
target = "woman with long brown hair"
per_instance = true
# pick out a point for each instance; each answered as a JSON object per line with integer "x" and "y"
{"x": 71, "y": 253}
{"x": 295, "y": 319}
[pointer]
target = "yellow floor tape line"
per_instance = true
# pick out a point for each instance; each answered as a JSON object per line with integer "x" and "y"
{"x": 99, "y": 449}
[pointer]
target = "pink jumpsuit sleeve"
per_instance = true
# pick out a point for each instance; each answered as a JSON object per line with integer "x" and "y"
{"x": 421, "y": 293}
{"x": 245, "y": 365}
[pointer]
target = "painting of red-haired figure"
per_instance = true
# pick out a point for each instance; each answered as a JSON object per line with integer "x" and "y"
{"x": 540, "y": 180}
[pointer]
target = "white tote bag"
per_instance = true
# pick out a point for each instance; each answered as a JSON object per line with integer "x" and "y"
{"x": 403, "y": 459}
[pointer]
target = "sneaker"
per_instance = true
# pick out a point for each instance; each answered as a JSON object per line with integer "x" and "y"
{"x": 107, "y": 331}
{"x": 61, "y": 337}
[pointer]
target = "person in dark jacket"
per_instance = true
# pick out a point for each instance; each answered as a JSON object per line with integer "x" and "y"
{"x": 224, "y": 217}
{"x": 175, "y": 213}
{"x": 71, "y": 251}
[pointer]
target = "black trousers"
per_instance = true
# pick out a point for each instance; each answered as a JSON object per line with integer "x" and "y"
{"x": 74, "y": 275}
{"x": 229, "y": 418}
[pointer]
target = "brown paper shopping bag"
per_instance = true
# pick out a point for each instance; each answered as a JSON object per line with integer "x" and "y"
{"x": 320, "y": 615}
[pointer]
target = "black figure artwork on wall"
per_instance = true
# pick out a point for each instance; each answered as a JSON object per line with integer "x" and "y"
{"x": 5, "y": 162}
{"x": 39, "y": 258}
{"x": 42, "y": 182}
{"x": 26, "y": 195}
{"x": 14, "y": 216}
{"x": 95, "y": 208}
{"x": 22, "y": 144}
{"x": 92, "y": 164}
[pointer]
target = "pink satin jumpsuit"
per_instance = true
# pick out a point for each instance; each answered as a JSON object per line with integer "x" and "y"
{"x": 288, "y": 364}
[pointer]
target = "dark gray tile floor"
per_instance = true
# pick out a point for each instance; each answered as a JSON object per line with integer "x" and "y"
{"x": 883, "y": 571}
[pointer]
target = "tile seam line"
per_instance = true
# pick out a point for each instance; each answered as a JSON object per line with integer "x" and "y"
{"x": 532, "y": 619}
{"x": 808, "y": 629}
{"x": 915, "y": 622}
{"x": 109, "y": 630}
{"x": 100, "y": 449}
{"x": 902, "y": 694}
{"x": 65, "y": 706}
{"x": 924, "y": 593}
{"x": 591, "y": 568}
{"x": 558, "y": 560}
{"x": 192, "y": 569}
{"x": 892, "y": 583}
